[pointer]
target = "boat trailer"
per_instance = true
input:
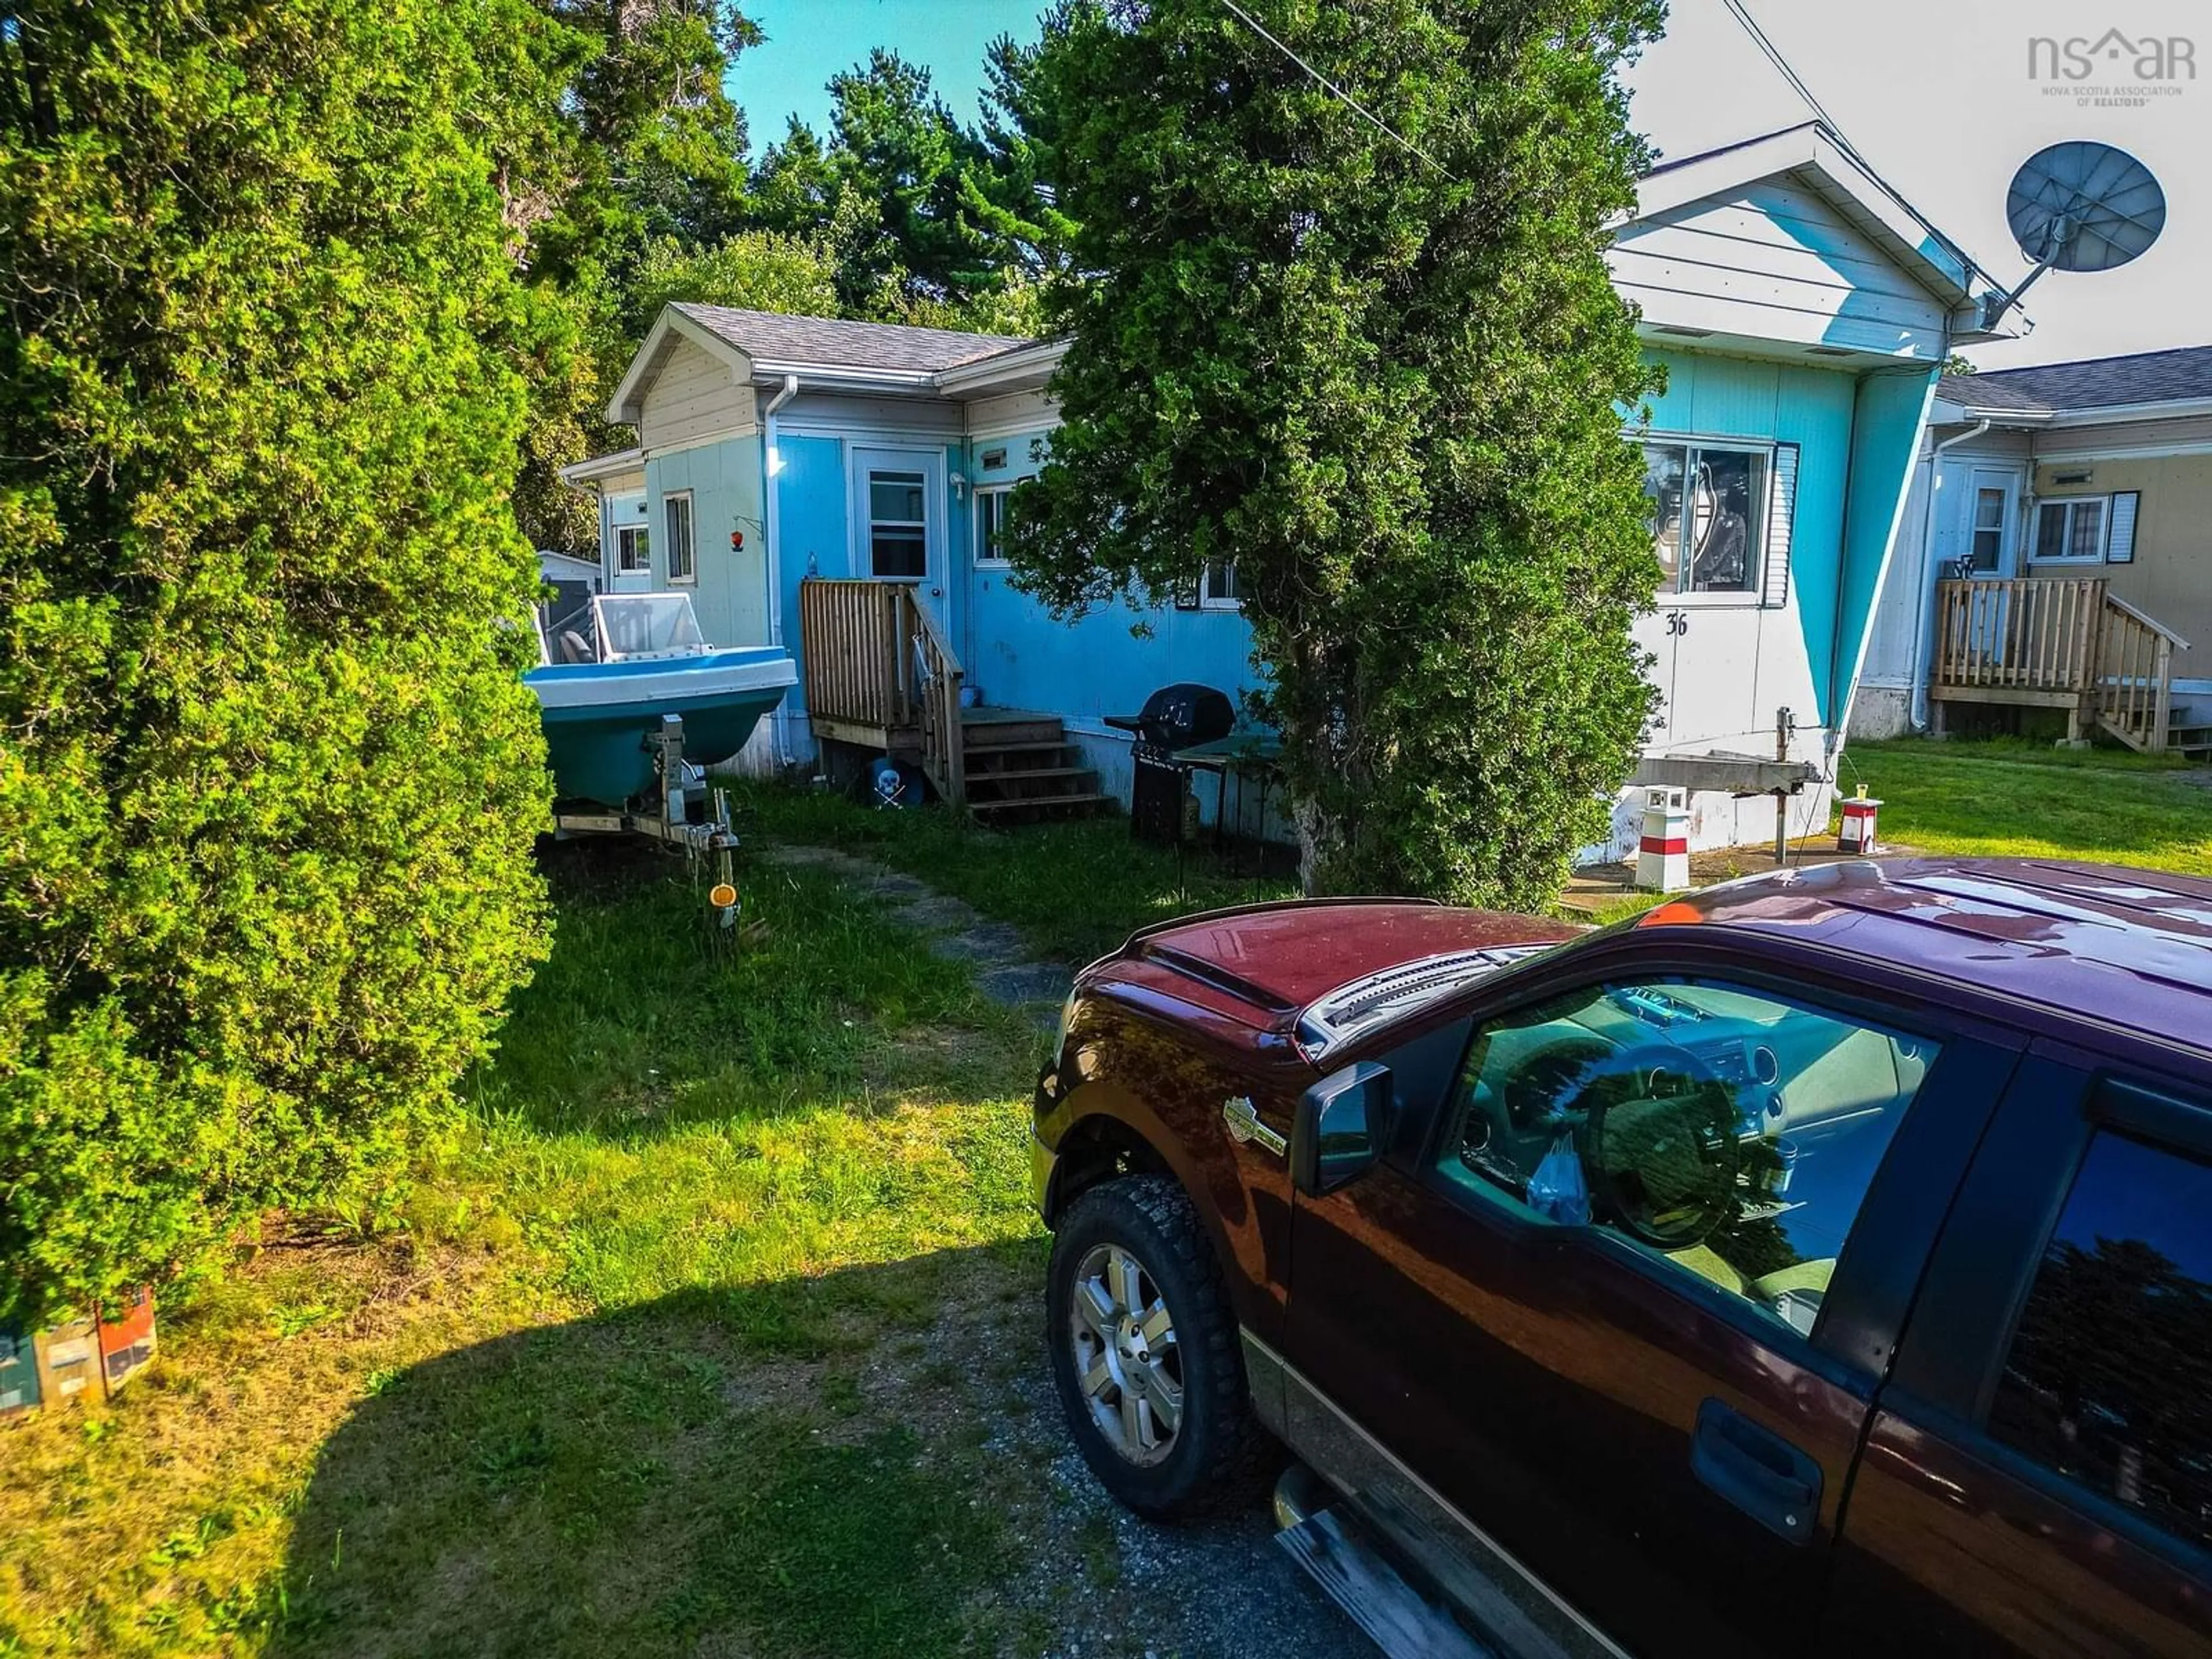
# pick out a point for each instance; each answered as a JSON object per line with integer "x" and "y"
{"x": 686, "y": 813}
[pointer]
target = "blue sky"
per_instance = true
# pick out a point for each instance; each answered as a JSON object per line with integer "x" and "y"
{"x": 810, "y": 41}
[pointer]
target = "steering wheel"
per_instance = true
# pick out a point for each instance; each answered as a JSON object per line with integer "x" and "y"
{"x": 1659, "y": 1146}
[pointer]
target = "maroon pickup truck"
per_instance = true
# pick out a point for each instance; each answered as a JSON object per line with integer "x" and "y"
{"x": 1819, "y": 1262}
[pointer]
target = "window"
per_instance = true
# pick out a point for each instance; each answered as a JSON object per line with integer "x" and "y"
{"x": 991, "y": 524}
{"x": 1709, "y": 524}
{"x": 1217, "y": 587}
{"x": 683, "y": 556}
{"x": 2071, "y": 529}
{"x": 1726, "y": 1131}
{"x": 2112, "y": 1361}
{"x": 898, "y": 524}
{"x": 633, "y": 552}
{"x": 1988, "y": 529}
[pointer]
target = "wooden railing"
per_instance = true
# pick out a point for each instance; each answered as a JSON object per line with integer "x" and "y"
{"x": 2059, "y": 642}
{"x": 938, "y": 680}
{"x": 2134, "y": 692}
{"x": 877, "y": 664}
{"x": 2038, "y": 636}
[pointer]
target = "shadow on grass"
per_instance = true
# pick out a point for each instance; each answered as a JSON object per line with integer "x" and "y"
{"x": 648, "y": 1017}
{"x": 810, "y": 1467}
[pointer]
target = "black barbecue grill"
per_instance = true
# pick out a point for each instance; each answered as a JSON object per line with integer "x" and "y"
{"x": 1174, "y": 717}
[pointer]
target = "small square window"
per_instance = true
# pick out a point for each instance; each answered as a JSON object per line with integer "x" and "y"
{"x": 2071, "y": 530}
{"x": 1708, "y": 516}
{"x": 1217, "y": 587}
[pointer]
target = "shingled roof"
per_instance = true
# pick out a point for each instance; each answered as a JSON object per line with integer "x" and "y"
{"x": 2146, "y": 377}
{"x": 830, "y": 343}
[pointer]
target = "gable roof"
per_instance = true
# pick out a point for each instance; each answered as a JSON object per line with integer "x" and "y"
{"x": 2181, "y": 375}
{"x": 1813, "y": 154}
{"x": 775, "y": 341}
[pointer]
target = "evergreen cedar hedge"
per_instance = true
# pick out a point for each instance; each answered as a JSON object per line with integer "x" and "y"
{"x": 269, "y": 780}
{"x": 1385, "y": 378}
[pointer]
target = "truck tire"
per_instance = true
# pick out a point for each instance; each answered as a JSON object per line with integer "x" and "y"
{"x": 1144, "y": 1353}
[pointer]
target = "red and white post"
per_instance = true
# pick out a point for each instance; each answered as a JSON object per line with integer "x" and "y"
{"x": 1856, "y": 834}
{"x": 1663, "y": 857}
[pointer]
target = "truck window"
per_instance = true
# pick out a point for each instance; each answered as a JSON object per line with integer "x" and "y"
{"x": 1729, "y": 1131}
{"x": 2111, "y": 1365}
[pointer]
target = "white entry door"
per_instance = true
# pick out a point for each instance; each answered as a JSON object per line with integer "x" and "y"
{"x": 898, "y": 522}
{"x": 629, "y": 551}
{"x": 1979, "y": 537}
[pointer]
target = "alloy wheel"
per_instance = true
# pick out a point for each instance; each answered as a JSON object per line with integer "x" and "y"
{"x": 1128, "y": 1364}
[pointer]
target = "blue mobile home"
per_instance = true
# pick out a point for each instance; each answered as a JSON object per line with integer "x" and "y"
{"x": 836, "y": 488}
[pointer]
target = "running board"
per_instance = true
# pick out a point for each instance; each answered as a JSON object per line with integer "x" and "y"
{"x": 1404, "y": 1623}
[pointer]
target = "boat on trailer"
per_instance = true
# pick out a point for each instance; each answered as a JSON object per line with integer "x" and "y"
{"x": 636, "y": 705}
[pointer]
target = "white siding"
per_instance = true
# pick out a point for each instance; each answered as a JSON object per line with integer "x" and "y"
{"x": 1773, "y": 260}
{"x": 694, "y": 396}
{"x": 1012, "y": 411}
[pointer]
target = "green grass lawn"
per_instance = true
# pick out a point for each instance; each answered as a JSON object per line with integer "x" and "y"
{"x": 702, "y": 1337}
{"x": 1076, "y": 889}
{"x": 713, "y": 1330}
{"x": 2017, "y": 799}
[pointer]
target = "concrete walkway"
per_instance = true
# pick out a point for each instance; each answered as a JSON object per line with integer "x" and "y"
{"x": 951, "y": 929}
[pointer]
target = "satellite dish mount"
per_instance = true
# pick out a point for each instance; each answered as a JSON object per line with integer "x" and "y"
{"x": 2078, "y": 206}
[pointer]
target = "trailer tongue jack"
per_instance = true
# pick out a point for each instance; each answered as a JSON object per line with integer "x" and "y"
{"x": 685, "y": 812}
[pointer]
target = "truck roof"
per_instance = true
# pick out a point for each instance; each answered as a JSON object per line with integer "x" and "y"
{"x": 2126, "y": 947}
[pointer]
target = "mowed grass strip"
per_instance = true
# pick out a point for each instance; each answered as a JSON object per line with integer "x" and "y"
{"x": 1076, "y": 889}
{"x": 646, "y": 1362}
{"x": 2013, "y": 800}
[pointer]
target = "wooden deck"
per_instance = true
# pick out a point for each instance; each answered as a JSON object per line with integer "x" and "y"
{"x": 880, "y": 674}
{"x": 2056, "y": 642}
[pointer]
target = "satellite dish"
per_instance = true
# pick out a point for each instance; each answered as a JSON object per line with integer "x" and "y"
{"x": 2079, "y": 206}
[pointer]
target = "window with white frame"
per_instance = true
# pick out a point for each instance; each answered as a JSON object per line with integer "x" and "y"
{"x": 1708, "y": 503}
{"x": 1989, "y": 528}
{"x": 991, "y": 524}
{"x": 2086, "y": 529}
{"x": 683, "y": 554}
{"x": 633, "y": 550}
{"x": 1217, "y": 587}
{"x": 898, "y": 524}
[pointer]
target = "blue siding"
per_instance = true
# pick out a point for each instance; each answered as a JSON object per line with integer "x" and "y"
{"x": 1107, "y": 662}
{"x": 1885, "y": 433}
{"x": 1716, "y": 397}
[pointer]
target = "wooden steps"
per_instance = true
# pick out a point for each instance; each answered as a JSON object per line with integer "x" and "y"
{"x": 1018, "y": 767}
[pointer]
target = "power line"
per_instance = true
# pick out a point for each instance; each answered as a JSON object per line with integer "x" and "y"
{"x": 1379, "y": 123}
{"x": 1742, "y": 15}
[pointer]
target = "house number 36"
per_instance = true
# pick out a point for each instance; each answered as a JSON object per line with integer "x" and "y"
{"x": 1678, "y": 622}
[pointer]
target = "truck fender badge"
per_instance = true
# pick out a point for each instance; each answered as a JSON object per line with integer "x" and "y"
{"x": 1245, "y": 1128}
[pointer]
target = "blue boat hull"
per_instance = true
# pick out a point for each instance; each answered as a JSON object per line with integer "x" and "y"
{"x": 599, "y": 717}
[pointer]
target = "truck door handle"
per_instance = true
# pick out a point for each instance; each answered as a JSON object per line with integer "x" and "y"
{"x": 1758, "y": 1471}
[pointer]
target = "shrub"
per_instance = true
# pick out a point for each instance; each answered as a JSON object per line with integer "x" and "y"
{"x": 1384, "y": 373}
{"x": 269, "y": 780}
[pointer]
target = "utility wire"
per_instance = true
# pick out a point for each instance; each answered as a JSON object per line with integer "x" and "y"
{"x": 1377, "y": 121}
{"x": 1737, "y": 9}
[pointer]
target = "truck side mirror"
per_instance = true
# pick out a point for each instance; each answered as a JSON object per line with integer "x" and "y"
{"x": 1339, "y": 1128}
